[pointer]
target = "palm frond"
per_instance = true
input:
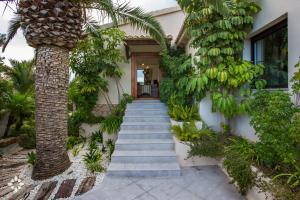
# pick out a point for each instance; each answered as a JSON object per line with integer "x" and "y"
{"x": 141, "y": 20}
{"x": 14, "y": 25}
{"x": 106, "y": 9}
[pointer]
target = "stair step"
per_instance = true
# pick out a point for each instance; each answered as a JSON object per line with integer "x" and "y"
{"x": 143, "y": 156}
{"x": 146, "y": 112}
{"x": 143, "y": 169}
{"x": 144, "y": 144}
{"x": 153, "y": 118}
{"x": 144, "y": 135}
{"x": 145, "y": 126}
{"x": 147, "y": 101}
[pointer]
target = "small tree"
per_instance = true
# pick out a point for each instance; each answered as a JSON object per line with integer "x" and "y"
{"x": 219, "y": 37}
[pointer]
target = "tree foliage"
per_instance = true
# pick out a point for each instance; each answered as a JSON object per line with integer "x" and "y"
{"x": 219, "y": 38}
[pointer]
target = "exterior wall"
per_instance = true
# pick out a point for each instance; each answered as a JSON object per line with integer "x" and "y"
{"x": 272, "y": 12}
{"x": 170, "y": 28}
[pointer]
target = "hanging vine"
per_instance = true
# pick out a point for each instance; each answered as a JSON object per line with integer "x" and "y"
{"x": 219, "y": 36}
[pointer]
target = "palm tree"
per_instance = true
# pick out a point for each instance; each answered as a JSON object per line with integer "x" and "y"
{"x": 21, "y": 73}
{"x": 53, "y": 27}
{"x": 18, "y": 103}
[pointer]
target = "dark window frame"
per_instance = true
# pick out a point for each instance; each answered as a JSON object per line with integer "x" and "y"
{"x": 264, "y": 34}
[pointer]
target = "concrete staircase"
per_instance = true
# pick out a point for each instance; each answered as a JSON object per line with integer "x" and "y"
{"x": 145, "y": 146}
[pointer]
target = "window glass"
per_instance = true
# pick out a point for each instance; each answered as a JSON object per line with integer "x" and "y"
{"x": 271, "y": 49}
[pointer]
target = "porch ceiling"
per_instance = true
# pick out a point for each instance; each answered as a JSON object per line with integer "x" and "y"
{"x": 140, "y": 44}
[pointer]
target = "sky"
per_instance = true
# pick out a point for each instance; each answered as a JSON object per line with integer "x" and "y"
{"x": 18, "y": 49}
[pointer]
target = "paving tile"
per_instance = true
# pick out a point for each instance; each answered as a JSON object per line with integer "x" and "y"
{"x": 186, "y": 195}
{"x": 146, "y": 196}
{"x": 45, "y": 190}
{"x": 166, "y": 191}
{"x": 200, "y": 183}
{"x": 65, "y": 189}
{"x": 86, "y": 185}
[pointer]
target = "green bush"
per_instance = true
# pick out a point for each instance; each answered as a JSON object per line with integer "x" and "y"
{"x": 28, "y": 136}
{"x": 210, "y": 144}
{"x": 111, "y": 148}
{"x": 272, "y": 116}
{"x": 111, "y": 124}
{"x": 188, "y": 132}
{"x": 74, "y": 140}
{"x": 240, "y": 170}
{"x": 31, "y": 158}
{"x": 92, "y": 160}
{"x": 184, "y": 113}
{"x": 97, "y": 137}
{"x": 166, "y": 89}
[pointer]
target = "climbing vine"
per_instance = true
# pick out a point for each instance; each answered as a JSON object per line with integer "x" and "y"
{"x": 219, "y": 36}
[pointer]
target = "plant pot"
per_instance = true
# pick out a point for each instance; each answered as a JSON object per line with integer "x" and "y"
{"x": 180, "y": 123}
{"x": 182, "y": 149}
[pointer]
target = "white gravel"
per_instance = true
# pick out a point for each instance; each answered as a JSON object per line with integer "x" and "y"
{"x": 76, "y": 171}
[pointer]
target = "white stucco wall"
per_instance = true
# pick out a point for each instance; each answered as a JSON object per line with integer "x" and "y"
{"x": 170, "y": 23}
{"x": 272, "y": 12}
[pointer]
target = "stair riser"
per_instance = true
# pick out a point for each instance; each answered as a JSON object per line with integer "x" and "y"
{"x": 146, "y": 136}
{"x": 143, "y": 159}
{"x": 145, "y": 127}
{"x": 139, "y": 147}
{"x": 146, "y": 107}
{"x": 145, "y": 112}
{"x": 146, "y": 119}
{"x": 155, "y": 173}
{"x": 146, "y": 101}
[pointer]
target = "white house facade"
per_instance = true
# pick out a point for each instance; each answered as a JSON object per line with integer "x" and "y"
{"x": 273, "y": 41}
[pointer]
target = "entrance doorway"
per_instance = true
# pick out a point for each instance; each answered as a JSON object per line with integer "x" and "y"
{"x": 146, "y": 75}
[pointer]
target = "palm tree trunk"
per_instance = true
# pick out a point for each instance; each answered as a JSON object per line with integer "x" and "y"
{"x": 51, "y": 84}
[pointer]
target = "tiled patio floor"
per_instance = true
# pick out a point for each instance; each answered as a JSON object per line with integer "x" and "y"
{"x": 196, "y": 183}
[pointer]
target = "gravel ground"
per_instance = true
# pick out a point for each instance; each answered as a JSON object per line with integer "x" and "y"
{"x": 76, "y": 171}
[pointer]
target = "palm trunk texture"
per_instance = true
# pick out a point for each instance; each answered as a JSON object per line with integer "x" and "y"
{"x": 51, "y": 84}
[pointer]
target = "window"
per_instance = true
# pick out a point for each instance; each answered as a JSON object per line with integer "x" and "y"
{"x": 270, "y": 48}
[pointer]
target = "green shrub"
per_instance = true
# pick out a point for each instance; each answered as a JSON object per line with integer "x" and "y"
{"x": 97, "y": 137}
{"x": 188, "y": 132}
{"x": 111, "y": 124}
{"x": 77, "y": 149}
{"x": 293, "y": 179}
{"x": 28, "y": 136}
{"x": 73, "y": 141}
{"x": 239, "y": 169}
{"x": 272, "y": 118}
{"x": 92, "y": 160}
{"x": 184, "y": 113}
{"x": 210, "y": 144}
{"x": 93, "y": 145}
{"x": 111, "y": 148}
{"x": 31, "y": 158}
{"x": 166, "y": 89}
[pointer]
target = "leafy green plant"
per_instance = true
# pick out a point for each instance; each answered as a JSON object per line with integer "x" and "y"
{"x": 93, "y": 145}
{"x": 92, "y": 160}
{"x": 111, "y": 148}
{"x": 111, "y": 124}
{"x": 188, "y": 132}
{"x": 77, "y": 149}
{"x": 166, "y": 89}
{"x": 272, "y": 114}
{"x": 97, "y": 137}
{"x": 73, "y": 141}
{"x": 27, "y": 135}
{"x": 209, "y": 144}
{"x": 220, "y": 68}
{"x": 31, "y": 158}
{"x": 184, "y": 113}
{"x": 239, "y": 168}
{"x": 293, "y": 179}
